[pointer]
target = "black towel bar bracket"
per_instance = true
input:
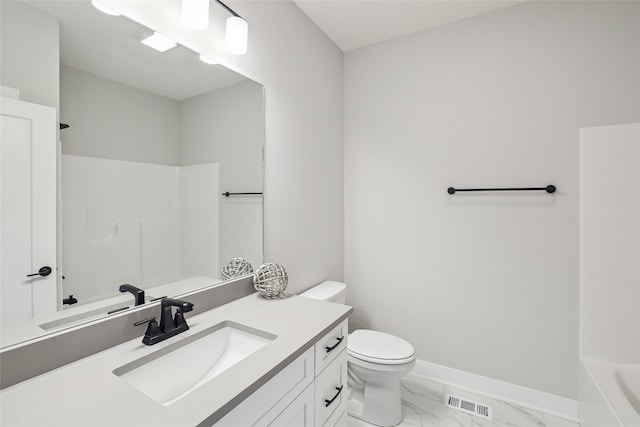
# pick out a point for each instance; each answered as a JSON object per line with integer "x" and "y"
{"x": 227, "y": 194}
{"x": 549, "y": 189}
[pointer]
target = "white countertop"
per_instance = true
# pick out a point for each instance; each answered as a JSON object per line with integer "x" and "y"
{"x": 87, "y": 393}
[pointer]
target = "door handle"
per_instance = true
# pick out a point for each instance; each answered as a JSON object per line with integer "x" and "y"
{"x": 44, "y": 271}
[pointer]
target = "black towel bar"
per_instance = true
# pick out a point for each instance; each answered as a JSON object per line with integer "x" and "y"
{"x": 227, "y": 194}
{"x": 548, "y": 189}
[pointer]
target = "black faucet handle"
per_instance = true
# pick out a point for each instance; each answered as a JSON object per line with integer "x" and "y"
{"x": 182, "y": 306}
{"x": 185, "y": 308}
{"x": 153, "y": 330}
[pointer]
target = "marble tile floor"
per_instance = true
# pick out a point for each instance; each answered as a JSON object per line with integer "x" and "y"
{"x": 423, "y": 406}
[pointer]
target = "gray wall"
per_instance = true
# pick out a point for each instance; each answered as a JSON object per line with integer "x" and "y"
{"x": 29, "y": 42}
{"x": 484, "y": 283}
{"x": 233, "y": 118}
{"x": 304, "y": 178}
{"x": 110, "y": 120}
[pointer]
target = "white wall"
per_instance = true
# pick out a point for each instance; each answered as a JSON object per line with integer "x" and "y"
{"x": 111, "y": 120}
{"x": 29, "y": 44}
{"x": 484, "y": 283}
{"x": 301, "y": 70}
{"x": 227, "y": 126}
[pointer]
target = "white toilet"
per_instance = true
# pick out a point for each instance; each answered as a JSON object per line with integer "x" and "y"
{"x": 376, "y": 362}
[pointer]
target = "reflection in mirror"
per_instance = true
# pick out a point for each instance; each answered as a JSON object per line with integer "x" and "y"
{"x": 153, "y": 141}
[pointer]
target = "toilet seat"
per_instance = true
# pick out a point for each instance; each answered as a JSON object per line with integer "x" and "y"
{"x": 379, "y": 348}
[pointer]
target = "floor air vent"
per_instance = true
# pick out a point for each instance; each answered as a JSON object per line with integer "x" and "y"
{"x": 468, "y": 406}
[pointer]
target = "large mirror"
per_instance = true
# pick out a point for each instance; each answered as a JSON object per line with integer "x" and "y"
{"x": 150, "y": 142}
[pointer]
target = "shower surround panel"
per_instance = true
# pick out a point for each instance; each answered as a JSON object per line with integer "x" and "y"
{"x": 138, "y": 223}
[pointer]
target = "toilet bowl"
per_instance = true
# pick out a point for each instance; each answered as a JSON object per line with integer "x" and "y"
{"x": 375, "y": 363}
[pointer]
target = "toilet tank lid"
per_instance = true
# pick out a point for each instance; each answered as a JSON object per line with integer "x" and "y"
{"x": 379, "y": 345}
{"x": 325, "y": 290}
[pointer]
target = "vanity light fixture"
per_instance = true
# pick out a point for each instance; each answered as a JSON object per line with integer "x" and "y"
{"x": 195, "y": 14}
{"x": 235, "y": 37}
{"x": 159, "y": 42}
{"x": 105, "y": 9}
{"x": 208, "y": 60}
{"x": 236, "y": 34}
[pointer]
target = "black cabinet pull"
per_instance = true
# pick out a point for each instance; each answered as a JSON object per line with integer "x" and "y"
{"x": 329, "y": 402}
{"x": 44, "y": 271}
{"x": 329, "y": 349}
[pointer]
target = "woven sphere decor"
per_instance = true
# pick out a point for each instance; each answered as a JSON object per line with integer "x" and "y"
{"x": 270, "y": 280}
{"x": 236, "y": 267}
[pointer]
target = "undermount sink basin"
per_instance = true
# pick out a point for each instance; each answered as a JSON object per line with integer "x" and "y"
{"x": 85, "y": 315}
{"x": 173, "y": 372}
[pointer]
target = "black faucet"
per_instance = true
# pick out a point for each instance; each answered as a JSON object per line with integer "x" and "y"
{"x": 137, "y": 292}
{"x": 70, "y": 300}
{"x": 169, "y": 326}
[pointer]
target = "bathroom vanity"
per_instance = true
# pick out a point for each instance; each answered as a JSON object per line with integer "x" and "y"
{"x": 283, "y": 362}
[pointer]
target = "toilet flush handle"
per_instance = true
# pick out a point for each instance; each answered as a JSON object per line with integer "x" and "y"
{"x": 330, "y": 349}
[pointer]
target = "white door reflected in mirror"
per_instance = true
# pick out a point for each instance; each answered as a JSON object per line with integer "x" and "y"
{"x": 28, "y": 216}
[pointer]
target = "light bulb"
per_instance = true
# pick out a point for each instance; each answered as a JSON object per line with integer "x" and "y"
{"x": 236, "y": 35}
{"x": 195, "y": 14}
{"x": 105, "y": 9}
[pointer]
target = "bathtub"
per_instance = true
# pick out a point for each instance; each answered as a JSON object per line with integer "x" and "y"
{"x": 619, "y": 384}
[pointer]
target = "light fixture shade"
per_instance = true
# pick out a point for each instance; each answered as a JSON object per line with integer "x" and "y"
{"x": 208, "y": 60}
{"x": 195, "y": 14}
{"x": 159, "y": 42}
{"x": 236, "y": 35}
{"x": 105, "y": 9}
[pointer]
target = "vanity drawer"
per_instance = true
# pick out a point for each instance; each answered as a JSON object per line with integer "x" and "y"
{"x": 331, "y": 391}
{"x": 330, "y": 346}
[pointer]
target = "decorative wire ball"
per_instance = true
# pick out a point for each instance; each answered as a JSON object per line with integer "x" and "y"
{"x": 270, "y": 280}
{"x": 236, "y": 267}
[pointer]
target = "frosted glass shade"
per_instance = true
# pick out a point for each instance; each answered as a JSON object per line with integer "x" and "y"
{"x": 236, "y": 35}
{"x": 208, "y": 60}
{"x": 159, "y": 42}
{"x": 105, "y": 9}
{"x": 195, "y": 14}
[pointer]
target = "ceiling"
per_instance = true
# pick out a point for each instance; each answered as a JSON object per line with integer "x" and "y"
{"x": 352, "y": 24}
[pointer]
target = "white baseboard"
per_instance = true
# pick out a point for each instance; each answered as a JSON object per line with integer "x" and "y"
{"x": 551, "y": 404}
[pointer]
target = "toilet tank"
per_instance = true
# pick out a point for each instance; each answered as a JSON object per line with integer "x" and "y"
{"x": 327, "y": 291}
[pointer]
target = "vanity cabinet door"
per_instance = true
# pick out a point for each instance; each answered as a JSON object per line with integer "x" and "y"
{"x": 331, "y": 391}
{"x": 264, "y": 405}
{"x": 299, "y": 413}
